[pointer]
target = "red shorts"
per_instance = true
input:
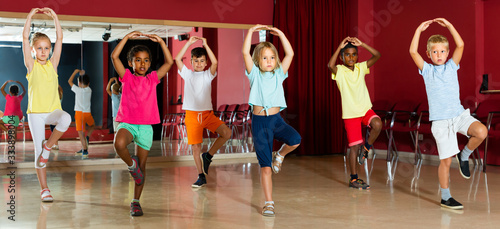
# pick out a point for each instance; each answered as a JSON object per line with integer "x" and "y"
{"x": 353, "y": 127}
{"x": 196, "y": 121}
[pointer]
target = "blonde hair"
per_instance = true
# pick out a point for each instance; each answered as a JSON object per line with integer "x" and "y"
{"x": 437, "y": 39}
{"x": 257, "y": 53}
{"x": 37, "y": 36}
{"x": 115, "y": 87}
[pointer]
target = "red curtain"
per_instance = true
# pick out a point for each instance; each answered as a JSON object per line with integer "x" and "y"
{"x": 315, "y": 29}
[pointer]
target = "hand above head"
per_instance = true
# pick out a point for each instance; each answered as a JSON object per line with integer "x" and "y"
{"x": 48, "y": 11}
{"x": 422, "y": 27}
{"x": 133, "y": 35}
{"x": 275, "y": 31}
{"x": 193, "y": 39}
{"x": 82, "y": 72}
{"x": 34, "y": 11}
{"x": 258, "y": 27}
{"x": 154, "y": 37}
{"x": 203, "y": 41}
{"x": 355, "y": 41}
{"x": 443, "y": 22}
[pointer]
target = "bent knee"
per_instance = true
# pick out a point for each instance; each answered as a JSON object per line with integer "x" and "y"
{"x": 376, "y": 124}
{"x": 226, "y": 133}
{"x": 481, "y": 132}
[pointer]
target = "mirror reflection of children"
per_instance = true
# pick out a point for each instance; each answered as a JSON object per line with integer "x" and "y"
{"x": 198, "y": 105}
{"x": 44, "y": 106}
{"x": 138, "y": 107}
{"x": 115, "y": 91}
{"x": 356, "y": 103}
{"x": 83, "y": 95}
{"x": 266, "y": 74}
{"x": 446, "y": 112}
{"x": 13, "y": 113}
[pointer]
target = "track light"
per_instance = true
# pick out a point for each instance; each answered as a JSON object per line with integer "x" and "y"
{"x": 107, "y": 34}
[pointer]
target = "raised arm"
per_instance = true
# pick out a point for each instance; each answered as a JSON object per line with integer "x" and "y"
{"x": 108, "y": 87}
{"x": 419, "y": 61}
{"x": 3, "y": 87}
{"x": 165, "y": 67}
{"x": 287, "y": 60}
{"x": 56, "y": 54}
{"x": 333, "y": 59}
{"x": 375, "y": 54}
{"x": 115, "y": 55}
{"x": 178, "y": 58}
{"x": 72, "y": 77}
{"x": 28, "y": 59}
{"x": 459, "y": 50}
{"x": 211, "y": 55}
{"x": 247, "y": 57}
{"x": 22, "y": 86}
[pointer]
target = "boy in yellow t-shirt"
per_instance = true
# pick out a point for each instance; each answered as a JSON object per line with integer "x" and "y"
{"x": 356, "y": 104}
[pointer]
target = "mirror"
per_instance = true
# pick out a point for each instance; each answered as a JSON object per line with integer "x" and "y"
{"x": 88, "y": 45}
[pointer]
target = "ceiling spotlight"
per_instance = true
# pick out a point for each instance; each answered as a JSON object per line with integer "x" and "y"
{"x": 107, "y": 34}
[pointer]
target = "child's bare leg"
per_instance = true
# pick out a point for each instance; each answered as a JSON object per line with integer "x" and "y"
{"x": 42, "y": 177}
{"x": 82, "y": 139}
{"x": 353, "y": 156}
{"x": 477, "y": 132}
{"x": 267, "y": 182}
{"x": 224, "y": 135}
{"x": 122, "y": 139}
{"x": 376, "y": 127}
{"x": 90, "y": 130}
{"x": 54, "y": 137}
{"x": 444, "y": 172}
{"x": 142, "y": 154}
{"x": 196, "y": 155}
{"x": 285, "y": 149}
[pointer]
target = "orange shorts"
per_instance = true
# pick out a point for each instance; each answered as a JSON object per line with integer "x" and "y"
{"x": 83, "y": 118}
{"x": 196, "y": 121}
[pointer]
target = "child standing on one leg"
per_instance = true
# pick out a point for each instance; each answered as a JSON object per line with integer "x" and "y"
{"x": 83, "y": 95}
{"x": 44, "y": 106}
{"x": 198, "y": 105}
{"x": 138, "y": 107}
{"x": 13, "y": 104}
{"x": 447, "y": 114}
{"x": 115, "y": 91}
{"x": 266, "y": 74}
{"x": 356, "y": 104}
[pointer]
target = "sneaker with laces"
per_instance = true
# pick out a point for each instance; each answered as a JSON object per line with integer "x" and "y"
{"x": 136, "y": 172}
{"x": 202, "y": 181}
{"x": 463, "y": 166}
{"x": 45, "y": 195}
{"x": 451, "y": 204}
{"x": 359, "y": 184}
{"x": 78, "y": 153}
{"x": 40, "y": 160}
{"x": 205, "y": 163}
{"x": 363, "y": 155}
{"x": 135, "y": 209}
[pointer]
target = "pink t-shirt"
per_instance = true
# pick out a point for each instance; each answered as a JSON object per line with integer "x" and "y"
{"x": 13, "y": 106}
{"x": 139, "y": 104}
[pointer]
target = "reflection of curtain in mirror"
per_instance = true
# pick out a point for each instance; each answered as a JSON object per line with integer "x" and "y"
{"x": 314, "y": 28}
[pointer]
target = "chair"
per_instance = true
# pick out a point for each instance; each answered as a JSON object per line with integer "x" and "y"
{"x": 403, "y": 120}
{"x": 488, "y": 112}
{"x": 167, "y": 126}
{"x": 239, "y": 121}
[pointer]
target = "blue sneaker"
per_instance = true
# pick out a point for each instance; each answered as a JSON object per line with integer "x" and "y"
{"x": 202, "y": 181}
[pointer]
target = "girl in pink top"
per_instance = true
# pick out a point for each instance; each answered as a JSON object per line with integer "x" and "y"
{"x": 13, "y": 112}
{"x": 138, "y": 107}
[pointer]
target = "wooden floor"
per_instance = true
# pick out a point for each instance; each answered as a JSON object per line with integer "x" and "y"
{"x": 310, "y": 192}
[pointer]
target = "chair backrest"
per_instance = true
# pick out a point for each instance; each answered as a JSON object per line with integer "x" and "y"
{"x": 405, "y": 113}
{"x": 382, "y": 108}
{"x": 485, "y": 107}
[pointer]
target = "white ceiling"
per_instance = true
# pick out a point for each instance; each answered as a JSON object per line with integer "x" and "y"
{"x": 74, "y": 32}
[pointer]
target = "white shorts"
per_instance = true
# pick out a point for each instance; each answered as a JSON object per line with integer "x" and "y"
{"x": 445, "y": 133}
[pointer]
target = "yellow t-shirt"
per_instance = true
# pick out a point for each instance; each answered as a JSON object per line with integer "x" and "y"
{"x": 43, "y": 93}
{"x": 352, "y": 86}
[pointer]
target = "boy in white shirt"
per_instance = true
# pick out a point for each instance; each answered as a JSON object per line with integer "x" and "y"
{"x": 83, "y": 116}
{"x": 198, "y": 105}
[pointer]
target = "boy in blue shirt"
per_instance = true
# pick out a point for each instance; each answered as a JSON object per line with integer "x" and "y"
{"x": 447, "y": 114}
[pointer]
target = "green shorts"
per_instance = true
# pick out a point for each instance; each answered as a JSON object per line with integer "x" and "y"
{"x": 11, "y": 120}
{"x": 142, "y": 134}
